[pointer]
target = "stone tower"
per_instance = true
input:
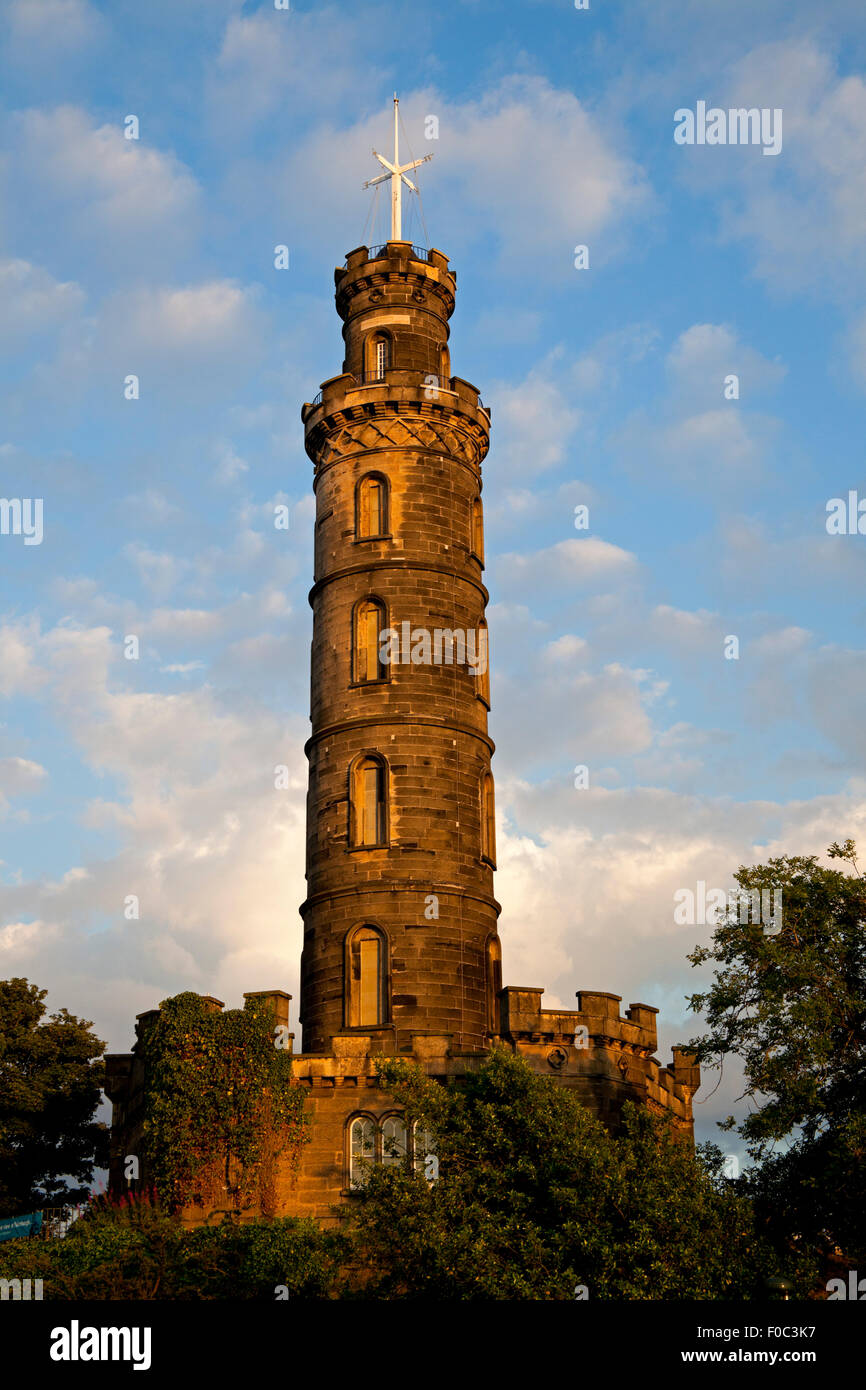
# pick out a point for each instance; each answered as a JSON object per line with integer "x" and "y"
{"x": 401, "y": 953}
{"x": 400, "y": 919}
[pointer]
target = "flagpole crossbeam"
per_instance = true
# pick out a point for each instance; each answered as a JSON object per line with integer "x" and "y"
{"x": 396, "y": 172}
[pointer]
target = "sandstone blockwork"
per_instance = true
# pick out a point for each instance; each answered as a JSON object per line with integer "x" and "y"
{"x": 401, "y": 950}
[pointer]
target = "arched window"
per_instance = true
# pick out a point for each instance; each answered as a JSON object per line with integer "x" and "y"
{"x": 388, "y": 1142}
{"x": 477, "y": 541}
{"x": 362, "y": 1150}
{"x": 368, "y": 801}
{"x": 371, "y": 507}
{"x": 493, "y": 955}
{"x": 488, "y": 821}
{"x": 378, "y": 356}
{"x": 444, "y": 364}
{"x": 424, "y": 1158}
{"x": 482, "y": 679}
{"x": 367, "y": 992}
{"x": 394, "y": 1140}
{"x": 368, "y": 622}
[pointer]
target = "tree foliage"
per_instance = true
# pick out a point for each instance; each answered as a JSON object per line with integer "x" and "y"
{"x": 135, "y": 1249}
{"x": 220, "y": 1104}
{"x": 535, "y": 1199}
{"x": 791, "y": 1005}
{"x": 50, "y": 1090}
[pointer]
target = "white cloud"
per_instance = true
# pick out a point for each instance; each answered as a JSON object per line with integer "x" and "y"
{"x": 694, "y": 434}
{"x": 121, "y": 202}
{"x": 705, "y": 354}
{"x": 32, "y": 301}
{"x": 265, "y": 54}
{"x": 19, "y": 775}
{"x": 68, "y": 22}
{"x": 200, "y": 321}
{"x": 19, "y": 670}
{"x": 230, "y": 465}
{"x": 535, "y": 422}
{"x": 556, "y": 569}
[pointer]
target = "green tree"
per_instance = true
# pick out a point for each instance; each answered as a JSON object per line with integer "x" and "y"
{"x": 536, "y": 1200}
{"x": 50, "y": 1089}
{"x": 134, "y": 1249}
{"x": 791, "y": 1005}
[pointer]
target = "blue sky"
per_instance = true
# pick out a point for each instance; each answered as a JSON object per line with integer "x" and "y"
{"x": 707, "y": 516}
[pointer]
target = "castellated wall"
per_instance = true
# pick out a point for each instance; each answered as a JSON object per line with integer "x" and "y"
{"x": 604, "y": 1057}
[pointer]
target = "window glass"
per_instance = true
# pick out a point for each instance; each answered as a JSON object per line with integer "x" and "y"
{"x": 372, "y": 519}
{"x": 369, "y": 992}
{"x": 488, "y": 820}
{"x": 369, "y": 622}
{"x": 394, "y": 1145}
{"x": 362, "y": 1151}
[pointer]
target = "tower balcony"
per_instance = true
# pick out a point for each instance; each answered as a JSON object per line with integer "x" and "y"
{"x": 355, "y": 411}
{"x": 399, "y": 250}
{"x": 397, "y": 385}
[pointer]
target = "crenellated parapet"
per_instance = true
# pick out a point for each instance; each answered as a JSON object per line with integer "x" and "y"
{"x": 607, "y": 1057}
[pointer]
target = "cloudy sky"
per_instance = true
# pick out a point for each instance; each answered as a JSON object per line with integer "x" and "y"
{"x": 707, "y": 515}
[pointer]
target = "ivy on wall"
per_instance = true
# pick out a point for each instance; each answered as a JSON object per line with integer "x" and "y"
{"x": 220, "y": 1105}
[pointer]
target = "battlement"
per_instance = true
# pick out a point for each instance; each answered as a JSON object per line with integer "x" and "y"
{"x": 521, "y": 1015}
{"x": 601, "y": 1052}
{"x": 393, "y": 262}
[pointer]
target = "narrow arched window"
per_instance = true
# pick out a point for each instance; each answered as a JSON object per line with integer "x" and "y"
{"x": 493, "y": 955}
{"x": 371, "y": 507}
{"x": 482, "y": 670}
{"x": 378, "y": 356}
{"x": 367, "y": 992}
{"x": 444, "y": 364}
{"x": 488, "y": 821}
{"x": 394, "y": 1140}
{"x": 477, "y": 520}
{"x": 362, "y": 1150}
{"x": 368, "y": 818}
{"x": 369, "y": 623}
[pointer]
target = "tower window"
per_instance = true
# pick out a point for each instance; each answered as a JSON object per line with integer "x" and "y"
{"x": 362, "y": 1150}
{"x": 368, "y": 820}
{"x": 378, "y": 356}
{"x": 477, "y": 530}
{"x": 371, "y": 507}
{"x": 494, "y": 981}
{"x": 395, "y": 1145}
{"x": 488, "y": 821}
{"x": 369, "y": 622}
{"x": 482, "y": 679}
{"x": 367, "y": 985}
{"x": 389, "y": 1142}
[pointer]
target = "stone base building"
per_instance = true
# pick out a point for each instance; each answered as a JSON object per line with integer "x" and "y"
{"x": 401, "y": 951}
